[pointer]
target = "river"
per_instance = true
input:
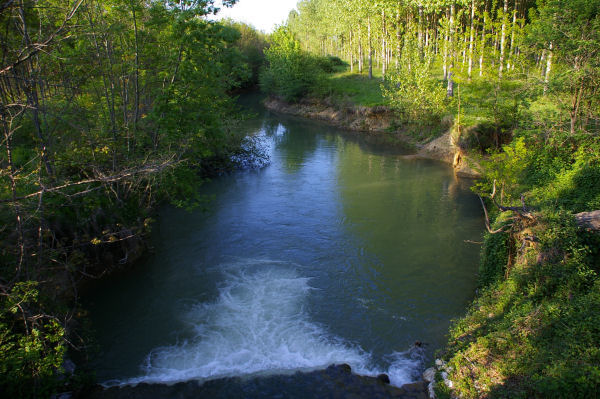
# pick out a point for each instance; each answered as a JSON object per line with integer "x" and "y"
{"x": 338, "y": 251}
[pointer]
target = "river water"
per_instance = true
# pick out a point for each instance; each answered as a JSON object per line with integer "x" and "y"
{"x": 338, "y": 251}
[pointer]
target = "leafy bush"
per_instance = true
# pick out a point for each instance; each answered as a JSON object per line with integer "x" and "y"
{"x": 331, "y": 64}
{"x": 412, "y": 90}
{"x": 534, "y": 333}
{"x": 31, "y": 344}
{"x": 290, "y": 72}
{"x": 574, "y": 187}
{"x": 494, "y": 257}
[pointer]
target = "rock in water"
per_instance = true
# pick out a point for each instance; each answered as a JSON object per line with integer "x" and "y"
{"x": 429, "y": 374}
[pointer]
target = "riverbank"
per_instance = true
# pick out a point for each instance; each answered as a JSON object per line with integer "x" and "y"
{"x": 531, "y": 330}
{"x": 381, "y": 121}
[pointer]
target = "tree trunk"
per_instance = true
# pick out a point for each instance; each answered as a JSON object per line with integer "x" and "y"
{"x": 383, "y": 47}
{"x": 502, "y": 39}
{"x": 541, "y": 61}
{"x": 471, "y": 37}
{"x": 446, "y": 47}
{"x": 360, "y": 51}
{"x": 450, "y": 88}
{"x": 398, "y": 38}
{"x": 482, "y": 47}
{"x": 495, "y": 33}
{"x": 548, "y": 69}
{"x": 420, "y": 29}
{"x": 578, "y": 93}
{"x": 8, "y": 132}
{"x": 370, "y": 44}
{"x": 136, "y": 105}
{"x": 512, "y": 39}
{"x": 351, "y": 53}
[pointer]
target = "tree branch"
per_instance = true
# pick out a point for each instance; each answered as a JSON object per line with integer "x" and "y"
{"x": 148, "y": 169}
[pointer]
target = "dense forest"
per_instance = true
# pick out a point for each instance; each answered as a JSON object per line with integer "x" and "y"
{"x": 515, "y": 83}
{"x": 106, "y": 110}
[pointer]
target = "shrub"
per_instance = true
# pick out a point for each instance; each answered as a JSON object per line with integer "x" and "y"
{"x": 31, "y": 344}
{"x": 290, "y": 72}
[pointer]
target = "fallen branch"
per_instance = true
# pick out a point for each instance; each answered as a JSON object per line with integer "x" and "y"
{"x": 148, "y": 169}
{"x": 522, "y": 211}
{"x": 487, "y": 220}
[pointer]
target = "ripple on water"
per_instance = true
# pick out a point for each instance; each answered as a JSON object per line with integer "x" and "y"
{"x": 258, "y": 325}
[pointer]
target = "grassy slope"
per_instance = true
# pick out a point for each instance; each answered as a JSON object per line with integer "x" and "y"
{"x": 347, "y": 88}
{"x": 534, "y": 329}
{"x": 534, "y": 333}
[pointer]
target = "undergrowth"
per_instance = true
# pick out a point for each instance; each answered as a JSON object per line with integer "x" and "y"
{"x": 534, "y": 329}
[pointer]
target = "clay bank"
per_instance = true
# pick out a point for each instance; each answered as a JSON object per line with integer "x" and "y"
{"x": 379, "y": 120}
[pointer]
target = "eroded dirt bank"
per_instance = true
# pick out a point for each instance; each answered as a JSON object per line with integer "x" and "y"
{"x": 379, "y": 119}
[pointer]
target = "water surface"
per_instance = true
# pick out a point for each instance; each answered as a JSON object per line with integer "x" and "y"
{"x": 338, "y": 251}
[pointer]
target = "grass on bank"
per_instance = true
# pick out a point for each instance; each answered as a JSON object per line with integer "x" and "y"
{"x": 536, "y": 333}
{"x": 352, "y": 88}
{"x": 534, "y": 329}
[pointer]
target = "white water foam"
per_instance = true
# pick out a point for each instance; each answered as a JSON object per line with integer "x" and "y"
{"x": 258, "y": 325}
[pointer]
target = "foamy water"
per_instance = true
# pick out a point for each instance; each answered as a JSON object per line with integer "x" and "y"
{"x": 259, "y": 324}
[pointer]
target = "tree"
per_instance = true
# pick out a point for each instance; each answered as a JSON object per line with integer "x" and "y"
{"x": 290, "y": 72}
{"x": 106, "y": 108}
{"x": 572, "y": 28}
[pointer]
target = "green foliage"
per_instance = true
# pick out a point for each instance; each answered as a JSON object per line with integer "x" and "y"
{"x": 561, "y": 172}
{"x": 575, "y": 185}
{"x": 533, "y": 331}
{"x": 412, "y": 91}
{"x": 291, "y": 73}
{"x": 251, "y": 44}
{"x": 536, "y": 332}
{"x": 494, "y": 257}
{"x": 507, "y": 169}
{"x": 126, "y": 106}
{"x": 31, "y": 344}
{"x": 492, "y": 110}
{"x": 570, "y": 30}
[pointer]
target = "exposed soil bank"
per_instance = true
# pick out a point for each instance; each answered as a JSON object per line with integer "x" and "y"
{"x": 334, "y": 382}
{"x": 364, "y": 119}
{"x": 379, "y": 119}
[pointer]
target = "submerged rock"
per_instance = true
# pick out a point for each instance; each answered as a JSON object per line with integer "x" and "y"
{"x": 336, "y": 381}
{"x": 429, "y": 374}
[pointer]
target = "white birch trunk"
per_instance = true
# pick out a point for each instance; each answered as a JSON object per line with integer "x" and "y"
{"x": 548, "y": 69}
{"x": 370, "y": 44}
{"x": 502, "y": 40}
{"x": 471, "y": 37}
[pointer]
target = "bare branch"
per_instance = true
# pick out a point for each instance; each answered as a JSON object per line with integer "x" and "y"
{"x": 487, "y": 219}
{"x": 522, "y": 211}
{"x": 37, "y": 47}
{"x": 147, "y": 169}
